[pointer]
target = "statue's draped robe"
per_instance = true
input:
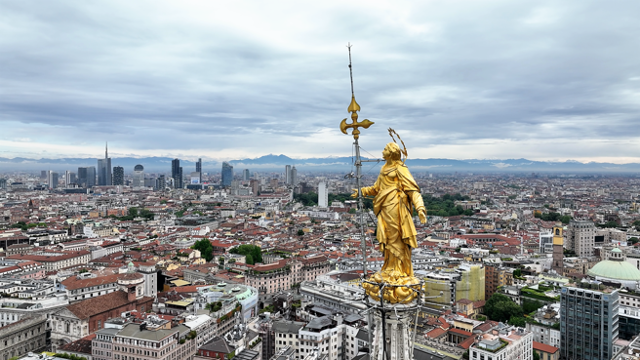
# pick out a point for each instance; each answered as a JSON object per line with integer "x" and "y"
{"x": 395, "y": 193}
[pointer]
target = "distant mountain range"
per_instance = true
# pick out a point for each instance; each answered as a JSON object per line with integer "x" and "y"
{"x": 328, "y": 164}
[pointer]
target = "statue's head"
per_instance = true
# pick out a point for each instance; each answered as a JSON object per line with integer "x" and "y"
{"x": 392, "y": 151}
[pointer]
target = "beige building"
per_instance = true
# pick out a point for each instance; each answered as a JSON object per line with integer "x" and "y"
{"x": 281, "y": 275}
{"x": 149, "y": 340}
{"x": 19, "y": 338}
{"x": 581, "y": 237}
{"x": 57, "y": 261}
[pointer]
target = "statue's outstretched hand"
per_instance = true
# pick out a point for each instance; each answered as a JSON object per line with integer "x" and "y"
{"x": 355, "y": 193}
{"x": 422, "y": 213}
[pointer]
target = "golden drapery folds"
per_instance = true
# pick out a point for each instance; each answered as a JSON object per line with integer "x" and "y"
{"x": 395, "y": 193}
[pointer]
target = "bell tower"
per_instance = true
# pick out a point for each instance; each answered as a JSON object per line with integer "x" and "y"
{"x": 558, "y": 250}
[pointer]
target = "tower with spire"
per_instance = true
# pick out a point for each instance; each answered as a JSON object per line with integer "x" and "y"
{"x": 104, "y": 168}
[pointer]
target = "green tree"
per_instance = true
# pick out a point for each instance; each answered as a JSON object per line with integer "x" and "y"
{"x": 634, "y": 240}
{"x": 205, "y": 248}
{"x": 529, "y": 306}
{"x": 352, "y": 211}
{"x": 246, "y": 250}
{"x": 214, "y": 306}
{"x": 517, "y": 321}
{"x": 536, "y": 356}
{"x": 300, "y": 232}
{"x": 609, "y": 224}
{"x": 20, "y": 225}
{"x": 500, "y": 308}
{"x": 517, "y": 273}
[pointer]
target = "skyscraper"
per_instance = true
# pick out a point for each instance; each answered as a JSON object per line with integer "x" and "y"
{"x": 52, "y": 179}
{"x": 161, "y": 183}
{"x": 227, "y": 174}
{"x": 255, "y": 186}
{"x": 294, "y": 176}
{"x": 176, "y": 173}
{"x": 138, "y": 176}
{"x": 118, "y": 175}
{"x": 323, "y": 195}
{"x": 199, "y": 170}
{"x": 69, "y": 178}
{"x": 588, "y": 323}
{"x": 287, "y": 175}
{"x": 87, "y": 176}
{"x": 246, "y": 175}
{"x": 104, "y": 169}
{"x": 43, "y": 174}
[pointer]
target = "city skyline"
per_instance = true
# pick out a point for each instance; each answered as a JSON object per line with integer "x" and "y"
{"x": 531, "y": 80}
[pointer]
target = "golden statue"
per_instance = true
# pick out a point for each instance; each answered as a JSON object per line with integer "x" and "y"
{"x": 396, "y": 194}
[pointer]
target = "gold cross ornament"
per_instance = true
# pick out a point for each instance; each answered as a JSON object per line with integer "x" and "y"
{"x": 353, "y": 109}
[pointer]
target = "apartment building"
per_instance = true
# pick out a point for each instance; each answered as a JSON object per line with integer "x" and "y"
{"x": 334, "y": 337}
{"x": 27, "y": 335}
{"x": 79, "y": 288}
{"x": 506, "y": 344}
{"x": 581, "y": 237}
{"x": 270, "y": 278}
{"x": 589, "y": 321}
{"x": 149, "y": 340}
{"x": 57, "y": 261}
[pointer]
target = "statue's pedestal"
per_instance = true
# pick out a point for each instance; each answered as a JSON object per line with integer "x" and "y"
{"x": 394, "y": 333}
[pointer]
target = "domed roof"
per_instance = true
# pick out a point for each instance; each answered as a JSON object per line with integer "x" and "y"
{"x": 130, "y": 276}
{"x": 615, "y": 270}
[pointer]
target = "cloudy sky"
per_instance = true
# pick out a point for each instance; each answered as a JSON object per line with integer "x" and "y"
{"x": 543, "y": 80}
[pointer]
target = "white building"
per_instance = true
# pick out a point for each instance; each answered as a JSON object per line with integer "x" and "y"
{"x": 335, "y": 338}
{"x": 323, "y": 195}
{"x": 508, "y": 344}
{"x": 546, "y": 242}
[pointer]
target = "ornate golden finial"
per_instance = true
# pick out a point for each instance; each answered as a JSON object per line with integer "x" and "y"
{"x": 353, "y": 109}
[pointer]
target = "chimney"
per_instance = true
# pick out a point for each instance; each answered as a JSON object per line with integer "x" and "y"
{"x": 131, "y": 294}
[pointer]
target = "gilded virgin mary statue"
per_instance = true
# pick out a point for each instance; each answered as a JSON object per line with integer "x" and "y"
{"x": 396, "y": 195}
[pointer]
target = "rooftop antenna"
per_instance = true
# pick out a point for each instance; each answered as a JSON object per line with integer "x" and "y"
{"x": 350, "y": 68}
{"x": 344, "y": 126}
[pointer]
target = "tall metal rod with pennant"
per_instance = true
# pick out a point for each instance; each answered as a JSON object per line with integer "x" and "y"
{"x": 354, "y": 125}
{"x": 344, "y": 127}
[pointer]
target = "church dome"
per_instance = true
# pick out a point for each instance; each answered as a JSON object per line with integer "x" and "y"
{"x": 615, "y": 268}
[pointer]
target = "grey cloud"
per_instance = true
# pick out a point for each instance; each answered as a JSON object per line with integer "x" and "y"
{"x": 440, "y": 73}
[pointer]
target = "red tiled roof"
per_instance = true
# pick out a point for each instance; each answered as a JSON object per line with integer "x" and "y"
{"x": 90, "y": 307}
{"x": 466, "y": 344}
{"x": 74, "y": 283}
{"x": 435, "y": 333}
{"x": 460, "y": 332}
{"x": 82, "y": 346}
{"x": 544, "y": 347}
